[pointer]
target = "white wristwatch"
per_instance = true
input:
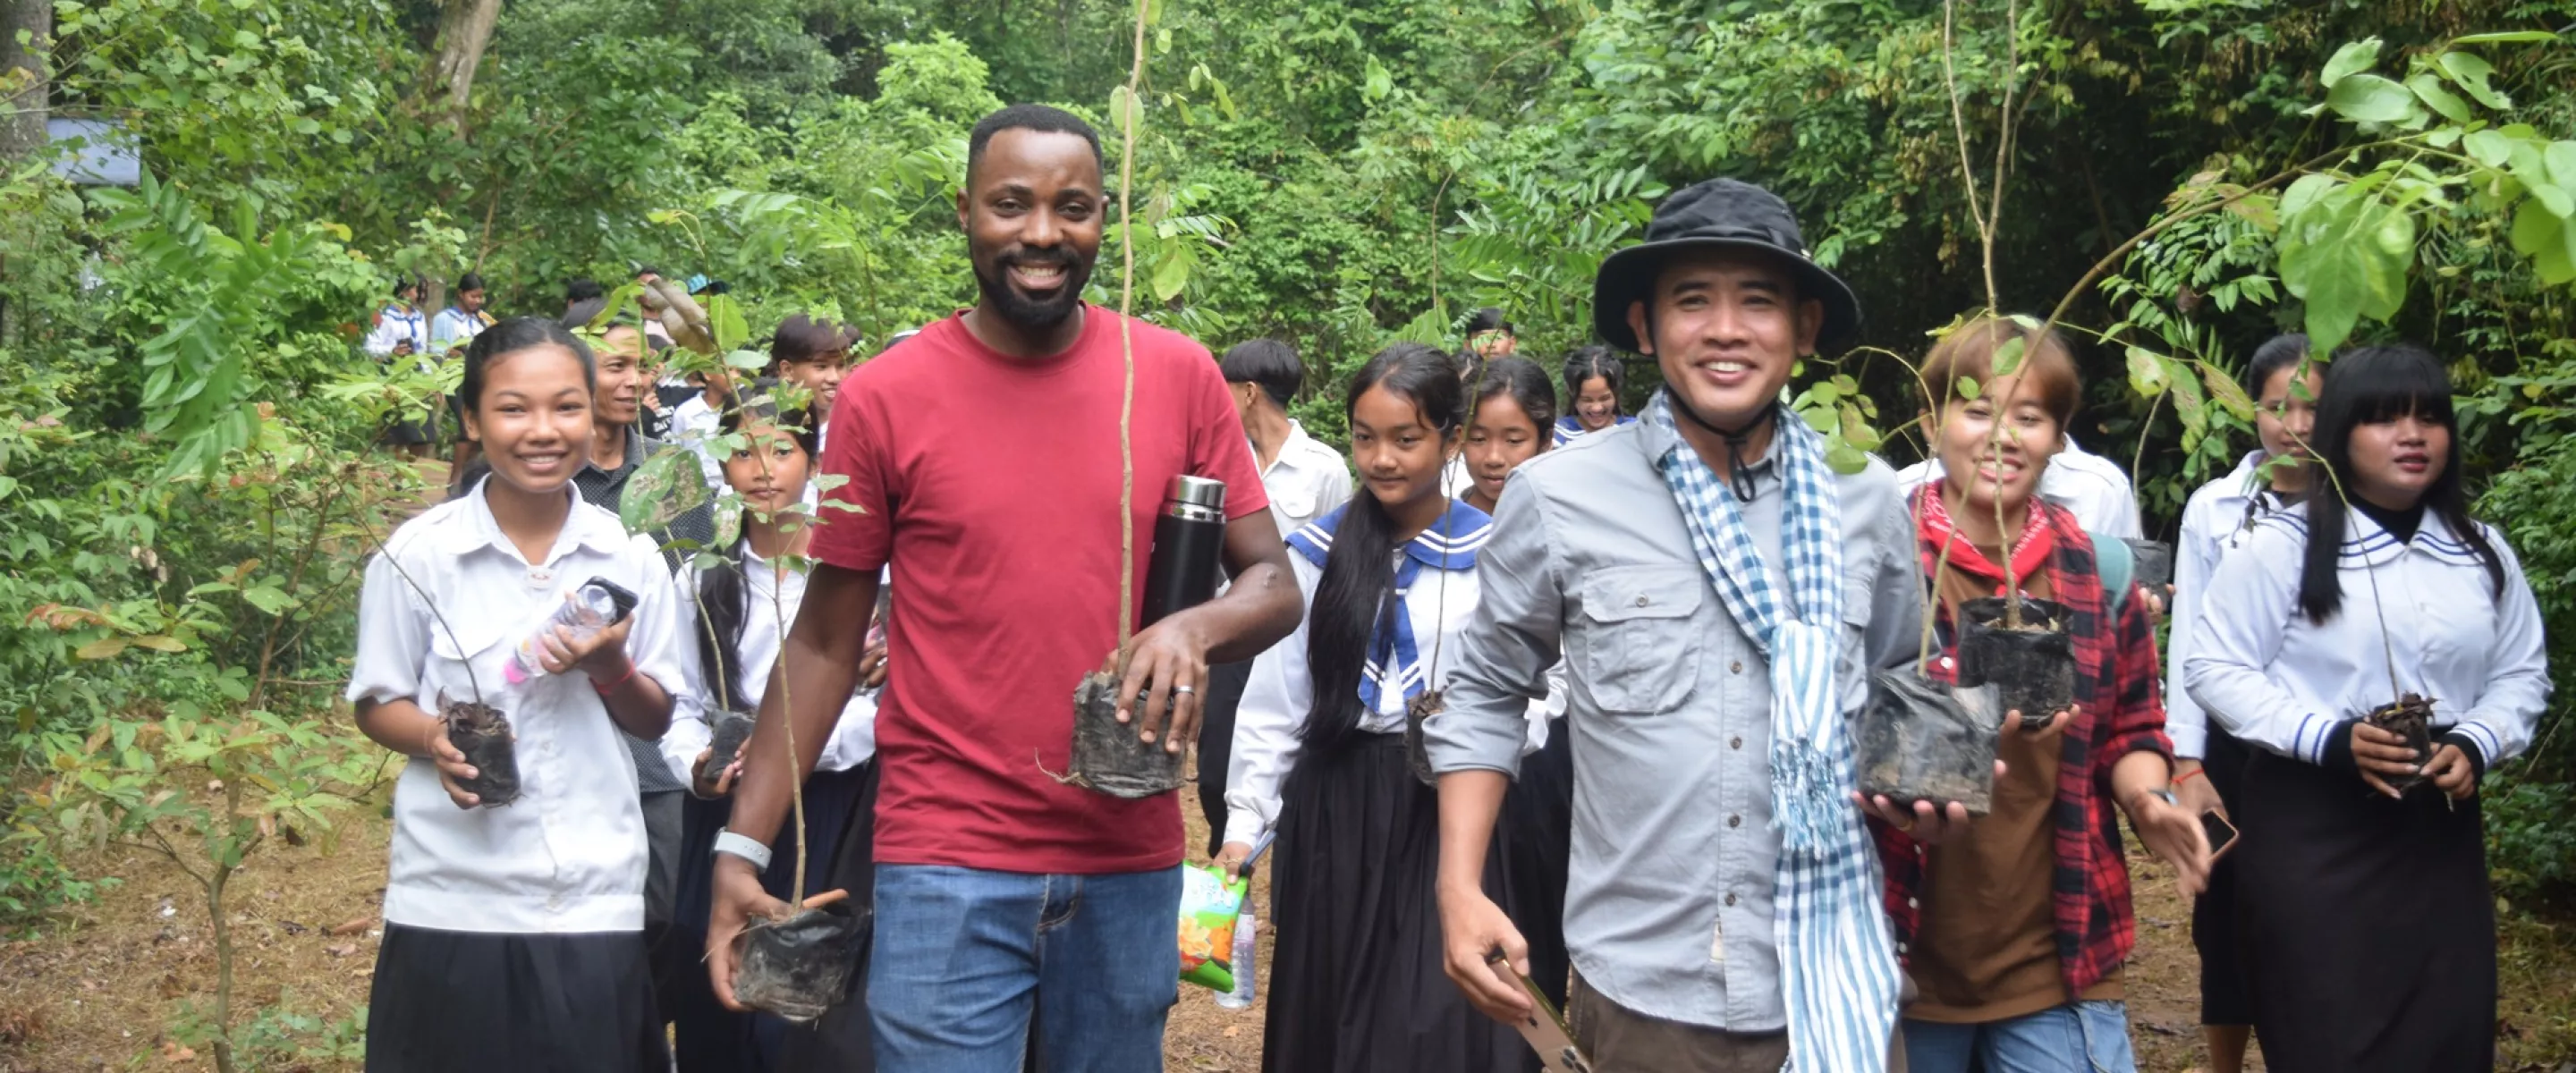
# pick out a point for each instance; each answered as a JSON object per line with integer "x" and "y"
{"x": 745, "y": 847}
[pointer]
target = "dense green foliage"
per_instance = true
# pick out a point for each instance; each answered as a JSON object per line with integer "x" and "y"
{"x": 186, "y": 474}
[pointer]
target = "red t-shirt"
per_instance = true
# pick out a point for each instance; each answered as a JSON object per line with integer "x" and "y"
{"x": 991, "y": 484}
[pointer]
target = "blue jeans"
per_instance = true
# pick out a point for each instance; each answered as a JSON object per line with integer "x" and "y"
{"x": 964, "y": 957}
{"x": 2081, "y": 1037}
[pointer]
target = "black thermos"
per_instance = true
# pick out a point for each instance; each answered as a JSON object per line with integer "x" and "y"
{"x": 1189, "y": 546}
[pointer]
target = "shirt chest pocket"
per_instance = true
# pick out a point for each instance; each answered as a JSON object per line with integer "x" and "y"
{"x": 465, "y": 664}
{"x": 1641, "y": 647}
{"x": 1295, "y": 499}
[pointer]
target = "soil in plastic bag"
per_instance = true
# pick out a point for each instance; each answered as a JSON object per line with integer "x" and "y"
{"x": 1921, "y": 740}
{"x": 1108, "y": 757}
{"x": 732, "y": 731}
{"x": 801, "y": 967}
{"x": 1417, "y": 755}
{"x": 2154, "y": 569}
{"x": 482, "y": 733}
{"x": 2032, "y": 668}
{"x": 2410, "y": 718}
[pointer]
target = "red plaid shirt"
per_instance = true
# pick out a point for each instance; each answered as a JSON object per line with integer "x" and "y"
{"x": 2122, "y": 713}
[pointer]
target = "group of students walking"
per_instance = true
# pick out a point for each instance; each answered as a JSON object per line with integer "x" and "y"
{"x": 1549, "y": 683}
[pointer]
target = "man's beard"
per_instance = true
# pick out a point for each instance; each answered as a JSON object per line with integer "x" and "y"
{"x": 1024, "y": 312}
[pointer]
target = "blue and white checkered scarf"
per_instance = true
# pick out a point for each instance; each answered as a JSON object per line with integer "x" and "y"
{"x": 1837, "y": 954}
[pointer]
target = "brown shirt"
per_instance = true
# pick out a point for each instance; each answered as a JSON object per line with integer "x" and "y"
{"x": 1987, "y": 949}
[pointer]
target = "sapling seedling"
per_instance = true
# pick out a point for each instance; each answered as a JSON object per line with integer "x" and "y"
{"x": 474, "y": 728}
{"x": 1110, "y": 756}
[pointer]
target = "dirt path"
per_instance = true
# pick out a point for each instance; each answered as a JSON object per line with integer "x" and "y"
{"x": 110, "y": 986}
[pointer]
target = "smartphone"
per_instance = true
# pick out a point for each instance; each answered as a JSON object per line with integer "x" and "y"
{"x": 1545, "y": 1030}
{"x": 2222, "y": 834}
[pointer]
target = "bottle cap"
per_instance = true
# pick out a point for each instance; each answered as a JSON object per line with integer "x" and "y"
{"x": 1201, "y": 492}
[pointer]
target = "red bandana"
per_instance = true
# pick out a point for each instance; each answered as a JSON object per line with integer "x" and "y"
{"x": 2029, "y": 556}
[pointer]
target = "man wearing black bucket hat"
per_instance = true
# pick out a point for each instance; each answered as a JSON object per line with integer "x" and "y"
{"x": 1719, "y": 596}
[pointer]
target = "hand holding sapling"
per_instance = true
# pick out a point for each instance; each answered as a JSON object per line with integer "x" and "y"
{"x": 738, "y": 899}
{"x": 1166, "y": 667}
{"x": 2452, "y": 772}
{"x": 1921, "y": 821}
{"x": 453, "y": 771}
{"x": 710, "y": 786}
{"x": 2383, "y": 756}
{"x": 2042, "y": 727}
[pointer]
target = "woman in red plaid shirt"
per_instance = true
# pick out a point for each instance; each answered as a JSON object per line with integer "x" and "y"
{"x": 2014, "y": 934}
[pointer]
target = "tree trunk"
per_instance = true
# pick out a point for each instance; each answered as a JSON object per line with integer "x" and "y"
{"x": 23, "y": 83}
{"x": 464, "y": 27}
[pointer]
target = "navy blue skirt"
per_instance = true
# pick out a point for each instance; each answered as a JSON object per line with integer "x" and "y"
{"x": 444, "y": 1001}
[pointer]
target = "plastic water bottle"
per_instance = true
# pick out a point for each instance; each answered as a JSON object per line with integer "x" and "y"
{"x": 1241, "y": 997}
{"x": 591, "y": 608}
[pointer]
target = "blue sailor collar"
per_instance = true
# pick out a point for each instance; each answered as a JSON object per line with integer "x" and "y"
{"x": 1450, "y": 543}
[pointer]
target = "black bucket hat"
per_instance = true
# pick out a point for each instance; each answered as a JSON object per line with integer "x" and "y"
{"x": 1718, "y": 214}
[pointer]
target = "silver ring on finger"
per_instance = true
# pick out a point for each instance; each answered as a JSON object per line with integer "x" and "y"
{"x": 1178, "y": 690}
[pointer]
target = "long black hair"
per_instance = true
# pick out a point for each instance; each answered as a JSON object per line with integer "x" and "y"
{"x": 722, "y": 588}
{"x": 1356, "y": 596}
{"x": 2368, "y": 385}
{"x": 1527, "y": 384}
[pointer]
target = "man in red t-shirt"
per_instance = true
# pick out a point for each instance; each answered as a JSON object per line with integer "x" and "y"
{"x": 983, "y": 459}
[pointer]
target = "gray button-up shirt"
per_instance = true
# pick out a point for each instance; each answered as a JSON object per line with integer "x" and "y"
{"x": 1668, "y": 905}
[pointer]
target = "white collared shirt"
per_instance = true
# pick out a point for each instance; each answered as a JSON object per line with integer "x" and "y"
{"x": 569, "y": 855}
{"x": 2089, "y": 486}
{"x": 2218, "y": 519}
{"x": 1306, "y": 480}
{"x": 854, "y": 738}
{"x": 394, "y": 325}
{"x": 454, "y": 327}
{"x": 2280, "y": 682}
{"x": 1281, "y": 693}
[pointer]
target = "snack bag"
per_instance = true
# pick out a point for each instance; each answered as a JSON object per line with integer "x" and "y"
{"x": 1210, "y": 902}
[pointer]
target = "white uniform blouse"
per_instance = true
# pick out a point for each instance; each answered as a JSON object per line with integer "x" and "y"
{"x": 2218, "y": 519}
{"x": 854, "y": 738}
{"x": 2282, "y": 683}
{"x": 569, "y": 855}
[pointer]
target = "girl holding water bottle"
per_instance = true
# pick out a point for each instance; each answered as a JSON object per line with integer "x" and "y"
{"x": 514, "y": 932}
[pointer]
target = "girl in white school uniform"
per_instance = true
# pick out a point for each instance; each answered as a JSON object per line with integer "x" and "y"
{"x": 1357, "y": 980}
{"x": 2210, "y": 762}
{"x": 2368, "y": 926}
{"x": 514, "y": 934}
{"x": 741, "y": 608}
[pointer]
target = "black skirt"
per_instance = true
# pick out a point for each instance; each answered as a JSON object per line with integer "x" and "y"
{"x": 1535, "y": 837}
{"x": 444, "y": 1001}
{"x": 1357, "y": 982}
{"x": 2223, "y": 1000}
{"x": 2367, "y": 926}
